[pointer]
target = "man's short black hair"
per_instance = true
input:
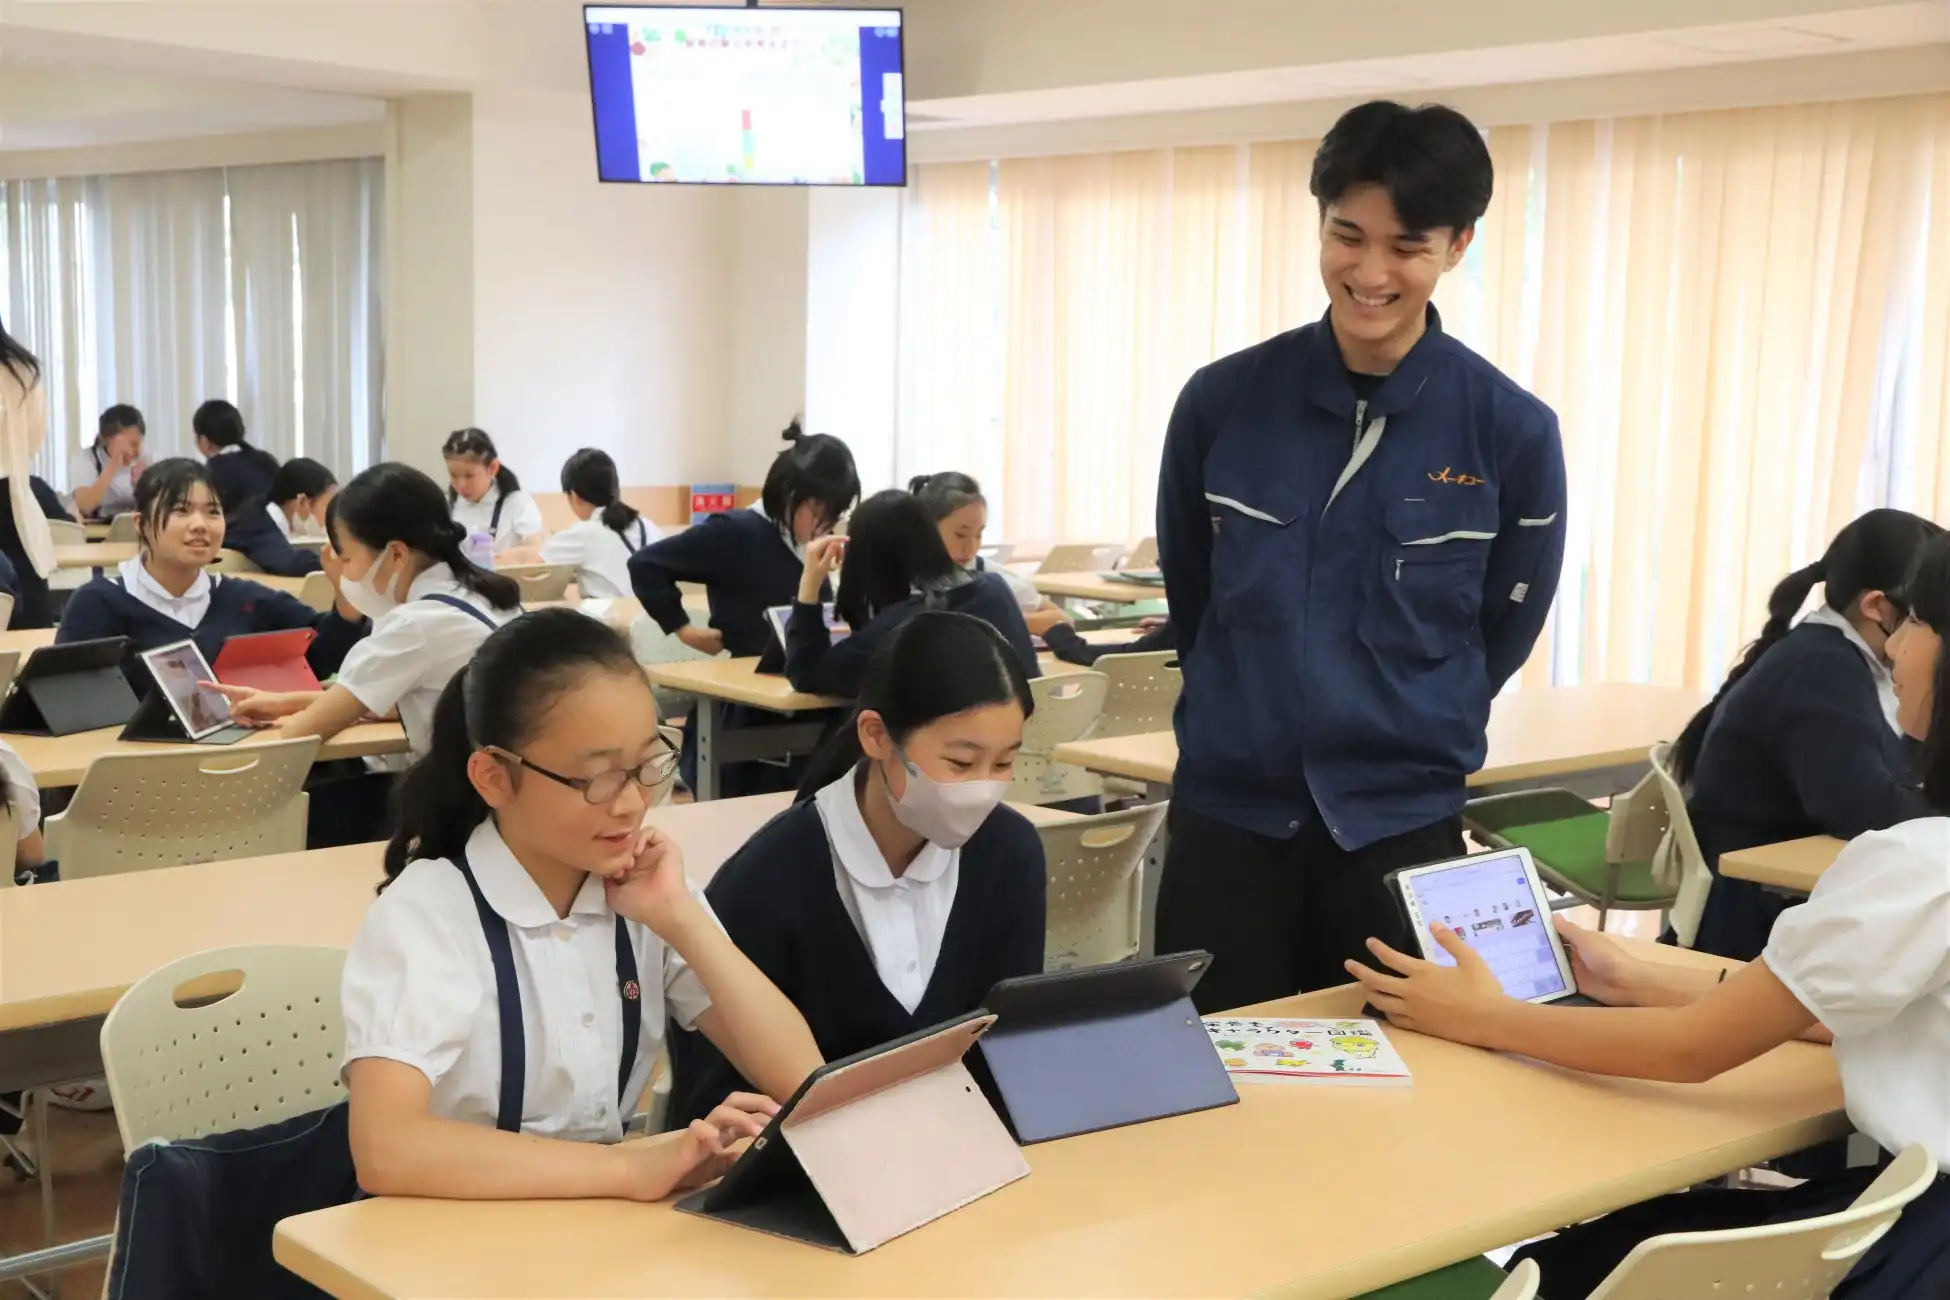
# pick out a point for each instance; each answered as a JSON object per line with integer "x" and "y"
{"x": 1431, "y": 160}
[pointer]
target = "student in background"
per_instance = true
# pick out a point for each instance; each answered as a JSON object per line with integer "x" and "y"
{"x": 23, "y": 799}
{"x": 241, "y": 472}
{"x": 897, "y": 890}
{"x": 1067, "y": 644}
{"x": 430, "y": 608}
{"x": 523, "y": 825}
{"x": 891, "y": 566}
{"x": 301, "y": 491}
{"x": 607, "y": 531}
{"x": 27, "y": 503}
{"x": 485, "y": 496}
{"x": 167, "y": 592}
{"x": 104, "y": 473}
{"x": 1864, "y": 963}
{"x": 955, "y": 503}
{"x": 1802, "y": 739}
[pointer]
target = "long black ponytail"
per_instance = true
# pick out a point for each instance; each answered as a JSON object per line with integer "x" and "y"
{"x": 475, "y": 445}
{"x": 935, "y": 665}
{"x": 1873, "y": 553}
{"x": 497, "y": 700}
{"x": 391, "y": 502}
{"x": 591, "y": 475}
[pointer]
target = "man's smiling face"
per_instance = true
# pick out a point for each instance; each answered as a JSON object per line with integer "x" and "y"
{"x": 1379, "y": 275}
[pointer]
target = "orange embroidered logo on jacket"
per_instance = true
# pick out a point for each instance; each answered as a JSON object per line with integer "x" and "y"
{"x": 1460, "y": 480}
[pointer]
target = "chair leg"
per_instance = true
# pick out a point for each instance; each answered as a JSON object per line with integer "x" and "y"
{"x": 44, "y": 1159}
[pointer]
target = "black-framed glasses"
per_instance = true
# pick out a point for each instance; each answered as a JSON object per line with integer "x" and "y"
{"x": 653, "y": 772}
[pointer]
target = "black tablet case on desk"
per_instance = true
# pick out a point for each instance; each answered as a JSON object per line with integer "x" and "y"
{"x": 63, "y": 689}
{"x": 155, "y": 721}
{"x": 1098, "y": 1047}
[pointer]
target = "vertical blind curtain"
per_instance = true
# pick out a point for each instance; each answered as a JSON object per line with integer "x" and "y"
{"x": 43, "y": 302}
{"x": 1741, "y": 317}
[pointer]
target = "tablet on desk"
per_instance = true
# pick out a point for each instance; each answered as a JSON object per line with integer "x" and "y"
{"x": 180, "y": 672}
{"x": 773, "y": 660}
{"x": 269, "y": 661}
{"x": 1497, "y": 904}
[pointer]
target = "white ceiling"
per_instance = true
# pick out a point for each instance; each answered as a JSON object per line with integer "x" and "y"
{"x": 1879, "y": 27}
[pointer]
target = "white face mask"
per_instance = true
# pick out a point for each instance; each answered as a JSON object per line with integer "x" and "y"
{"x": 945, "y": 812}
{"x": 365, "y": 596}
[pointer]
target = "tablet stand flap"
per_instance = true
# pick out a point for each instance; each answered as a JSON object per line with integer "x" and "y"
{"x": 768, "y": 1191}
{"x": 82, "y": 701}
{"x": 154, "y": 720}
{"x": 1125, "y": 1065}
{"x": 904, "y": 1154}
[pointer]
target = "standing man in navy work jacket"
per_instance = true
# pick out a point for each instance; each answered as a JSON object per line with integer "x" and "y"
{"x": 1360, "y": 524}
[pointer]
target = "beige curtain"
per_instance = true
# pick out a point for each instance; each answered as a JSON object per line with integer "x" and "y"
{"x": 949, "y": 411}
{"x": 46, "y": 306}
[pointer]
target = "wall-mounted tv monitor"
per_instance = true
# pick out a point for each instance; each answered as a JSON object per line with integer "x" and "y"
{"x": 756, "y": 96}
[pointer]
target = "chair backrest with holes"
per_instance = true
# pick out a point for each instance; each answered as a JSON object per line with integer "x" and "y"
{"x": 1802, "y": 1260}
{"x": 135, "y": 811}
{"x": 1144, "y": 555}
{"x": 1096, "y": 886}
{"x": 1143, "y": 692}
{"x": 540, "y": 581}
{"x": 1079, "y": 557}
{"x": 1695, "y": 880}
{"x": 1067, "y": 707}
{"x": 124, "y": 528}
{"x": 184, "y": 1059}
{"x": 229, "y": 561}
{"x": 316, "y": 591}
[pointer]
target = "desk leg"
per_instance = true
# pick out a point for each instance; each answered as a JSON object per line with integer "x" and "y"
{"x": 1154, "y": 867}
{"x": 707, "y": 718}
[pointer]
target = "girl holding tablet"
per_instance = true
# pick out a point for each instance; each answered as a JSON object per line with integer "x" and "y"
{"x": 167, "y": 592}
{"x": 897, "y": 890}
{"x": 522, "y": 830}
{"x": 607, "y": 531}
{"x": 1864, "y": 962}
{"x": 891, "y": 566}
{"x": 484, "y": 495}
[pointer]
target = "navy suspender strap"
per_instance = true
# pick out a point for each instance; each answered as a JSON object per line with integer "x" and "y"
{"x": 461, "y": 605}
{"x": 494, "y": 520}
{"x": 507, "y": 994}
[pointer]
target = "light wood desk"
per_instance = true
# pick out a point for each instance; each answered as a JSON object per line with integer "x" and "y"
{"x": 93, "y": 555}
{"x": 60, "y": 761}
{"x": 1088, "y": 586}
{"x": 1795, "y": 865}
{"x": 1534, "y": 736}
{"x": 1129, "y": 1212}
{"x": 27, "y": 640}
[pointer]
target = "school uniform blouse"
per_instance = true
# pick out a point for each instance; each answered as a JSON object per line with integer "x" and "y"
{"x": 1800, "y": 746}
{"x": 520, "y": 517}
{"x": 1027, "y": 597}
{"x": 780, "y": 900}
{"x": 1869, "y": 955}
{"x": 413, "y": 651}
{"x": 600, "y": 553}
{"x": 746, "y": 564}
{"x": 86, "y": 467}
{"x": 814, "y": 664}
{"x": 133, "y": 604}
{"x": 23, "y": 797}
{"x": 419, "y": 989}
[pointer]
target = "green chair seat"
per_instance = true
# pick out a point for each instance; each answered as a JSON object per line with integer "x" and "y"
{"x": 1473, "y": 1279}
{"x": 1488, "y": 818}
{"x": 1566, "y": 838}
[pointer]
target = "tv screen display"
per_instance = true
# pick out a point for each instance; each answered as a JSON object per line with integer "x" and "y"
{"x": 762, "y": 96}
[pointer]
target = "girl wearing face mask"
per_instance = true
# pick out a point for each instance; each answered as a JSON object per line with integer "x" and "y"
{"x": 898, "y": 890}
{"x": 430, "y": 608}
{"x": 1802, "y": 740}
{"x": 300, "y": 492}
{"x": 167, "y": 593}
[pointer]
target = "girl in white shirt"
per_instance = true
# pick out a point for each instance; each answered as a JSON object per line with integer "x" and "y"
{"x": 1864, "y": 963}
{"x": 522, "y": 850}
{"x": 607, "y": 532}
{"x": 484, "y": 495}
{"x": 104, "y": 473}
{"x": 23, "y": 799}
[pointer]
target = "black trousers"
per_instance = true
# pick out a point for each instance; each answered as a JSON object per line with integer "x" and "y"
{"x": 1281, "y": 916}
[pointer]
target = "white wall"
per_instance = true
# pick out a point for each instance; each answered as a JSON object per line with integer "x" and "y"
{"x": 429, "y": 253}
{"x": 853, "y": 323}
{"x": 768, "y": 324}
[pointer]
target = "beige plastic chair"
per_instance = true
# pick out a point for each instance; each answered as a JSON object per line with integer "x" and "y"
{"x": 184, "y": 1058}
{"x": 136, "y": 811}
{"x": 6, "y": 611}
{"x": 123, "y": 528}
{"x": 1677, "y": 862}
{"x": 229, "y": 561}
{"x": 1067, "y": 708}
{"x": 67, "y": 533}
{"x": 316, "y": 591}
{"x": 541, "y": 581}
{"x": 1096, "y": 886}
{"x": 1791, "y": 1261}
{"x": 1079, "y": 557}
{"x": 1143, "y": 691}
{"x": 1143, "y": 556}
{"x": 8, "y": 837}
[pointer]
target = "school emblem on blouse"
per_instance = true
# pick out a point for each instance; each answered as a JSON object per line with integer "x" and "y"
{"x": 630, "y": 991}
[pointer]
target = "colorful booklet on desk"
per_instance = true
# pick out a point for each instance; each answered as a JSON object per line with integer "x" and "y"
{"x": 1308, "y": 1051}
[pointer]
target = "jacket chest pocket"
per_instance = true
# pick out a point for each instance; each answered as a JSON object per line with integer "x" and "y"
{"x": 1427, "y": 593}
{"x": 1259, "y": 559}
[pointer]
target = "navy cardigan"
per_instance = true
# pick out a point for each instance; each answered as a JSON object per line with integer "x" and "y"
{"x": 780, "y": 903}
{"x": 242, "y": 478}
{"x": 817, "y": 666}
{"x": 745, "y": 566}
{"x": 254, "y": 535}
{"x": 238, "y": 606}
{"x": 1799, "y": 746}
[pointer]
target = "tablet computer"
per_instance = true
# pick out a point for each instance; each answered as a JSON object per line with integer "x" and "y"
{"x": 1497, "y": 904}
{"x": 180, "y": 672}
{"x": 269, "y": 661}
{"x": 773, "y": 660}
